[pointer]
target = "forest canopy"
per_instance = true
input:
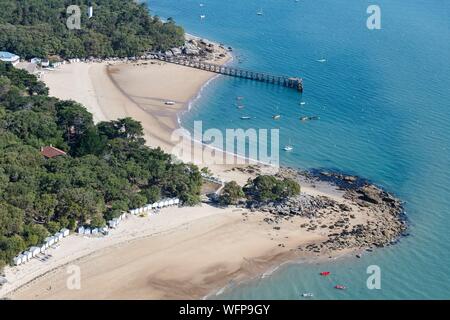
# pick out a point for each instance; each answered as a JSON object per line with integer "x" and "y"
{"x": 118, "y": 28}
{"x": 107, "y": 169}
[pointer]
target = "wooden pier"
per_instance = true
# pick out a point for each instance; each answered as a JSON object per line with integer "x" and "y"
{"x": 290, "y": 82}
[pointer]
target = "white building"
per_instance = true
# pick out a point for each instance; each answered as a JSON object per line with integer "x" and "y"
{"x": 81, "y": 230}
{"x": 18, "y": 260}
{"x": 90, "y": 11}
{"x": 26, "y": 256}
{"x": 65, "y": 232}
{"x": 50, "y": 241}
{"x": 9, "y": 57}
{"x": 36, "y": 61}
{"x": 35, "y": 251}
{"x": 59, "y": 235}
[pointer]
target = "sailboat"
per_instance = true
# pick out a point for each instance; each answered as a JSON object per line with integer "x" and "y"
{"x": 260, "y": 12}
{"x": 245, "y": 118}
{"x": 276, "y": 116}
{"x": 288, "y": 147}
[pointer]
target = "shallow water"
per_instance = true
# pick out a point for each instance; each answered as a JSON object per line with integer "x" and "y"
{"x": 383, "y": 98}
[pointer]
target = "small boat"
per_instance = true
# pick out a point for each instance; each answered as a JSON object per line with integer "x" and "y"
{"x": 260, "y": 12}
{"x": 307, "y": 295}
{"x": 340, "y": 287}
{"x": 202, "y": 16}
{"x": 169, "y": 103}
{"x": 302, "y": 103}
{"x": 240, "y": 106}
{"x": 239, "y": 98}
{"x": 322, "y": 60}
{"x": 305, "y": 118}
{"x": 245, "y": 118}
{"x": 288, "y": 147}
{"x": 325, "y": 273}
{"x": 276, "y": 117}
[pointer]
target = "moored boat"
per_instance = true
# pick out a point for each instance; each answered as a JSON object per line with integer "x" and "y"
{"x": 340, "y": 287}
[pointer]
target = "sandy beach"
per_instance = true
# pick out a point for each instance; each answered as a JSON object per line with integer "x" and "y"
{"x": 181, "y": 253}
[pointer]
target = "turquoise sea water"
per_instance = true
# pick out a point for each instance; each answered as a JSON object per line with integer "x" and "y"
{"x": 384, "y": 101}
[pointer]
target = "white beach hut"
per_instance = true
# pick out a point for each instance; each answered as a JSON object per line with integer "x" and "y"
{"x": 29, "y": 255}
{"x": 35, "y": 251}
{"x": 81, "y": 230}
{"x": 43, "y": 248}
{"x": 111, "y": 224}
{"x": 171, "y": 202}
{"x": 25, "y": 257}
{"x": 49, "y": 241}
{"x": 65, "y": 232}
{"x": 18, "y": 260}
{"x": 87, "y": 231}
{"x": 177, "y": 201}
{"x": 59, "y": 236}
{"x": 166, "y": 203}
{"x": 95, "y": 231}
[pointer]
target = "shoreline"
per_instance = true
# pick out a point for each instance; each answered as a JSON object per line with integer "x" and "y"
{"x": 138, "y": 89}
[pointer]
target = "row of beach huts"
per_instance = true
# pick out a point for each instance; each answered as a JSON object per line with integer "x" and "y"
{"x": 113, "y": 223}
{"x": 33, "y": 252}
{"x": 157, "y": 205}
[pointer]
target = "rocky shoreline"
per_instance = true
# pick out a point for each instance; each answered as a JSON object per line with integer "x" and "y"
{"x": 368, "y": 216}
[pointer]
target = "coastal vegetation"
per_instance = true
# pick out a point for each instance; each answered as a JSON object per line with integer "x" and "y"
{"x": 107, "y": 168}
{"x": 263, "y": 188}
{"x": 118, "y": 28}
{"x": 266, "y": 188}
{"x": 231, "y": 193}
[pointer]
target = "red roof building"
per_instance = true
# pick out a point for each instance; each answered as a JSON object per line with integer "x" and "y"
{"x": 52, "y": 152}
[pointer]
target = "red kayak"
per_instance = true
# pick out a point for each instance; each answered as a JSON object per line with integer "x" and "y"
{"x": 339, "y": 287}
{"x": 325, "y": 273}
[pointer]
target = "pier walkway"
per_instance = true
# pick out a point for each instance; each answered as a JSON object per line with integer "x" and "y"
{"x": 290, "y": 82}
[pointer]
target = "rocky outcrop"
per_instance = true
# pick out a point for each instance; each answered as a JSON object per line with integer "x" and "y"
{"x": 382, "y": 215}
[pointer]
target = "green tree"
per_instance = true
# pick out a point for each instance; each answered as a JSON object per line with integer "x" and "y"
{"x": 231, "y": 193}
